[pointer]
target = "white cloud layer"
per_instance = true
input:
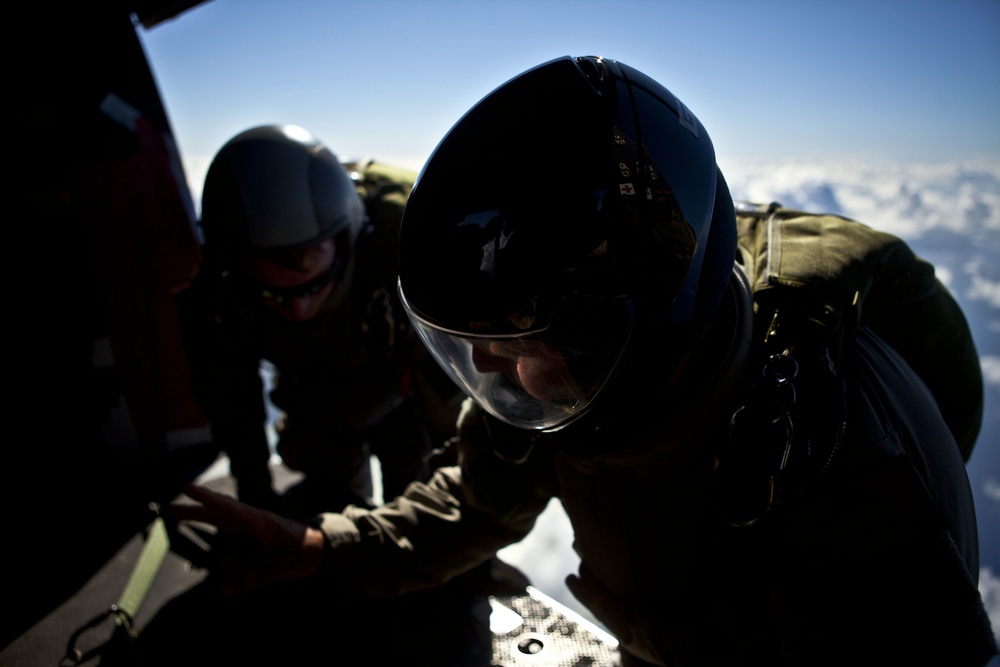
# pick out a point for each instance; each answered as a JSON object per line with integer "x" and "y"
{"x": 989, "y": 588}
{"x": 948, "y": 213}
{"x": 909, "y": 200}
{"x": 991, "y": 369}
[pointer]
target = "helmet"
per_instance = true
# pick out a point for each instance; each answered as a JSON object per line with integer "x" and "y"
{"x": 571, "y": 232}
{"x": 275, "y": 188}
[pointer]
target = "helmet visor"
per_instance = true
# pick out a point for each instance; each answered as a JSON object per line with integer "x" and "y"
{"x": 540, "y": 379}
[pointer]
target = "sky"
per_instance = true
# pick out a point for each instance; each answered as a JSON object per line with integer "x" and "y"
{"x": 915, "y": 80}
{"x": 887, "y": 111}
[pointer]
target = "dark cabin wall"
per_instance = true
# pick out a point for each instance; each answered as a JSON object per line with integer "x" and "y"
{"x": 102, "y": 420}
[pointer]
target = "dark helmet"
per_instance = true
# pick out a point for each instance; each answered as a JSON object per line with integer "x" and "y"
{"x": 570, "y": 232}
{"x": 275, "y": 188}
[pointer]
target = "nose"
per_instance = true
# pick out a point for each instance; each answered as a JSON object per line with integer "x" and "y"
{"x": 487, "y": 362}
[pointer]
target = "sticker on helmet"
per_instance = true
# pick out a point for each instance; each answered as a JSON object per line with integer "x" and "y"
{"x": 686, "y": 118}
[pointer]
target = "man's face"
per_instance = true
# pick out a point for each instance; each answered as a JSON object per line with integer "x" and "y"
{"x": 297, "y": 294}
{"x": 538, "y": 368}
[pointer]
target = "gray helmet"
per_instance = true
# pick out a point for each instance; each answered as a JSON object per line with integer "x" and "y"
{"x": 276, "y": 187}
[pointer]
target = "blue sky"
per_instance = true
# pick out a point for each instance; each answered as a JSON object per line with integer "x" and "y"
{"x": 915, "y": 80}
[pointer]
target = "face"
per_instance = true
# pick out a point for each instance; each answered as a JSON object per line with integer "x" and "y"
{"x": 297, "y": 294}
{"x": 539, "y": 369}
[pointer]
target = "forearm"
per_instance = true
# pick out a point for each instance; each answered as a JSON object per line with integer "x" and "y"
{"x": 431, "y": 533}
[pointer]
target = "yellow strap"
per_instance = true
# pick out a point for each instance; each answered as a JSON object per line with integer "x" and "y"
{"x": 154, "y": 551}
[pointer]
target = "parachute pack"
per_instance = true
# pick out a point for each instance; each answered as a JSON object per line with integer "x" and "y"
{"x": 815, "y": 279}
{"x": 877, "y": 281}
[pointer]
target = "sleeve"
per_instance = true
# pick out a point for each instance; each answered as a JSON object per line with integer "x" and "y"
{"x": 438, "y": 530}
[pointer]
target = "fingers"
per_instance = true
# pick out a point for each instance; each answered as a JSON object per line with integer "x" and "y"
{"x": 252, "y": 547}
{"x": 187, "y": 512}
{"x": 207, "y": 496}
{"x": 193, "y": 544}
{"x": 222, "y": 511}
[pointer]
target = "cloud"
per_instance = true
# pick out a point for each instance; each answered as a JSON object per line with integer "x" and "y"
{"x": 992, "y": 489}
{"x": 982, "y": 286}
{"x": 991, "y": 369}
{"x": 989, "y": 589}
{"x": 909, "y": 200}
{"x": 949, "y": 213}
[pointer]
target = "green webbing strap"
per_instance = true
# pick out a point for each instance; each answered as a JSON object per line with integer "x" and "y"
{"x": 147, "y": 566}
{"x": 154, "y": 551}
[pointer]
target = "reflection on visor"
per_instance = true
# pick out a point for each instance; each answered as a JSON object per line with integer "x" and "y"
{"x": 539, "y": 369}
{"x": 542, "y": 379}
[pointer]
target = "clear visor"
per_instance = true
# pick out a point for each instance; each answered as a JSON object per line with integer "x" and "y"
{"x": 542, "y": 379}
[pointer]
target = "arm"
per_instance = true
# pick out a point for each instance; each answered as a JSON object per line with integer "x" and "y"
{"x": 440, "y": 529}
{"x": 431, "y": 533}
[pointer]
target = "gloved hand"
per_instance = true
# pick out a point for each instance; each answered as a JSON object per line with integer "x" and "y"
{"x": 252, "y": 547}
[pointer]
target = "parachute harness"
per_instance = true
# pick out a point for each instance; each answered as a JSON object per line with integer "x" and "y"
{"x": 792, "y": 423}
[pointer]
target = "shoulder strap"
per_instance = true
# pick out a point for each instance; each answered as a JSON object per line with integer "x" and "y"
{"x": 792, "y": 420}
